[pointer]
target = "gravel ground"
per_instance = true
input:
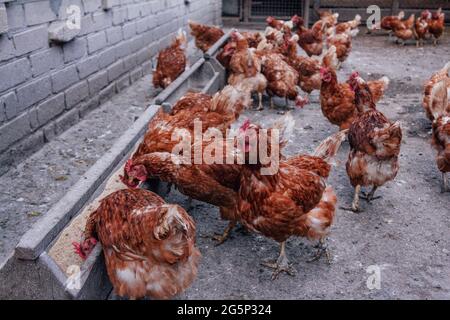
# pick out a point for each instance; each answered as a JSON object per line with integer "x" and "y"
{"x": 404, "y": 234}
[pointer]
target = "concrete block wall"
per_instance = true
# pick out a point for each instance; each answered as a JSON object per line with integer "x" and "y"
{"x": 46, "y": 87}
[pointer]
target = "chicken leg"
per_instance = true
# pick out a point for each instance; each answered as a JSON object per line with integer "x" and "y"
{"x": 445, "y": 187}
{"x": 260, "y": 105}
{"x": 370, "y": 196}
{"x": 355, "y": 203}
{"x": 271, "y": 103}
{"x": 222, "y": 238}
{"x": 321, "y": 249}
{"x": 282, "y": 264}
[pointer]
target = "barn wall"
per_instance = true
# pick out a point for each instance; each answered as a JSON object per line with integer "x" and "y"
{"x": 47, "y": 86}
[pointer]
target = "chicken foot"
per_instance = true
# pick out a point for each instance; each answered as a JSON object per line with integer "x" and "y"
{"x": 260, "y": 105}
{"x": 322, "y": 248}
{"x": 355, "y": 203}
{"x": 281, "y": 264}
{"x": 370, "y": 196}
{"x": 223, "y": 237}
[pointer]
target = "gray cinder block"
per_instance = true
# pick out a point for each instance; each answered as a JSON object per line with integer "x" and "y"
{"x": 96, "y": 41}
{"x": 76, "y": 94}
{"x": 3, "y": 19}
{"x": 64, "y": 78}
{"x": 14, "y": 73}
{"x": 97, "y": 82}
{"x": 46, "y": 60}
{"x": 38, "y": 12}
{"x": 34, "y": 92}
{"x": 50, "y": 108}
{"x": 31, "y": 39}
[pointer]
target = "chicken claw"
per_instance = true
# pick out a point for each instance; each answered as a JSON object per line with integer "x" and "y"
{"x": 321, "y": 249}
{"x": 370, "y": 196}
{"x": 223, "y": 237}
{"x": 355, "y": 204}
{"x": 281, "y": 265}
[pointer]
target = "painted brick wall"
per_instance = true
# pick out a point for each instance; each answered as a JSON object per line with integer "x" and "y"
{"x": 45, "y": 87}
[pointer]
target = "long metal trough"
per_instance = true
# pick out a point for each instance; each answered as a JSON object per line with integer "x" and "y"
{"x": 43, "y": 265}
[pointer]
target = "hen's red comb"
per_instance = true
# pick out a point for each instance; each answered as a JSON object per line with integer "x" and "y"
{"x": 77, "y": 250}
{"x": 355, "y": 74}
{"x": 245, "y": 125}
{"x": 128, "y": 165}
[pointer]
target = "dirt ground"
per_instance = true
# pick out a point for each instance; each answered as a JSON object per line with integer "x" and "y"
{"x": 405, "y": 234}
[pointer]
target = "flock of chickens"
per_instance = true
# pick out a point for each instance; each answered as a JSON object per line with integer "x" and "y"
{"x": 149, "y": 245}
{"x": 428, "y": 24}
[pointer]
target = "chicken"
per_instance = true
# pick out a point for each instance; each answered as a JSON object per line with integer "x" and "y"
{"x": 377, "y": 87}
{"x": 435, "y": 96}
{"x": 309, "y": 68}
{"x": 213, "y": 112}
{"x": 403, "y": 30}
{"x": 441, "y": 142}
{"x": 436, "y": 25}
{"x": 342, "y": 42}
{"x": 421, "y": 27}
{"x": 436, "y": 102}
{"x": 337, "y": 100}
{"x": 253, "y": 38}
{"x": 345, "y": 27}
{"x": 385, "y": 22}
{"x": 310, "y": 40}
{"x": 281, "y": 78}
{"x": 226, "y": 53}
{"x": 246, "y": 66}
{"x": 374, "y": 145}
{"x": 205, "y": 36}
{"x": 224, "y": 56}
{"x": 274, "y": 23}
{"x": 171, "y": 62}
{"x": 293, "y": 201}
{"x": 149, "y": 245}
{"x": 329, "y": 18}
{"x": 216, "y": 184}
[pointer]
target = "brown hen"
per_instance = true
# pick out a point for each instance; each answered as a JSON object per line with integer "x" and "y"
{"x": 149, "y": 245}
{"x": 374, "y": 145}
{"x": 171, "y": 62}
{"x": 205, "y": 36}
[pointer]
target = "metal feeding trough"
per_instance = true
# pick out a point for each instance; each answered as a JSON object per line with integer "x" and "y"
{"x": 43, "y": 265}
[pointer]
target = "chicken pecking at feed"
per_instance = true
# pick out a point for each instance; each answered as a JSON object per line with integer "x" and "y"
{"x": 374, "y": 145}
{"x": 217, "y": 112}
{"x": 171, "y": 62}
{"x": 149, "y": 245}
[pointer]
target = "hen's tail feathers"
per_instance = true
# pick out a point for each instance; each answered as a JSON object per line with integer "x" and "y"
{"x": 176, "y": 228}
{"x": 435, "y": 100}
{"x": 232, "y": 99}
{"x": 385, "y": 81}
{"x": 319, "y": 219}
{"x": 328, "y": 148}
{"x": 181, "y": 38}
{"x": 285, "y": 126}
{"x": 330, "y": 59}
